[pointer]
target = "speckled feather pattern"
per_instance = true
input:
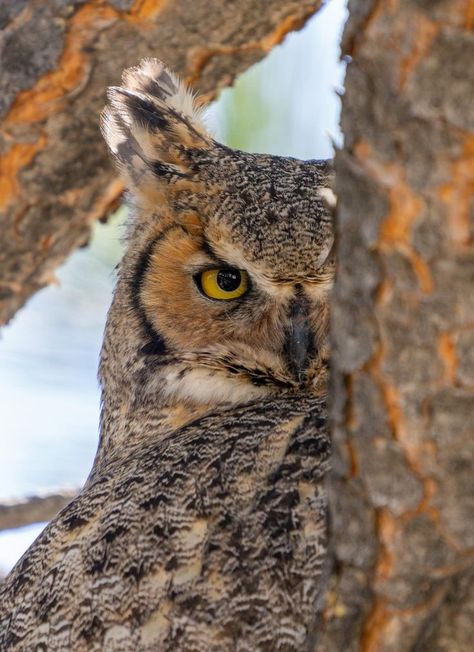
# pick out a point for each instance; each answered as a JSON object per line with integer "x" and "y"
{"x": 211, "y": 539}
{"x": 202, "y": 526}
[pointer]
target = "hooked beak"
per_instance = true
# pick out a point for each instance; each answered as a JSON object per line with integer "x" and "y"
{"x": 299, "y": 344}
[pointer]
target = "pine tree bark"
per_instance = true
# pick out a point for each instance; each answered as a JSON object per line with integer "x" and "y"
{"x": 403, "y": 338}
{"x": 56, "y": 60}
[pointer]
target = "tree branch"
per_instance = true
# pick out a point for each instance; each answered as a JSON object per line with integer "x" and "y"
{"x": 34, "y": 509}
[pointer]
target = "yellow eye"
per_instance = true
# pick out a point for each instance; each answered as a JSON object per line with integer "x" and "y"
{"x": 225, "y": 283}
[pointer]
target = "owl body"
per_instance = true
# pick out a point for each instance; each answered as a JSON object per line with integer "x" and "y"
{"x": 210, "y": 539}
{"x": 202, "y": 525}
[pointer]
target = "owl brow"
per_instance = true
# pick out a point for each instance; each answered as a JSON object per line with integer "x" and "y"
{"x": 207, "y": 248}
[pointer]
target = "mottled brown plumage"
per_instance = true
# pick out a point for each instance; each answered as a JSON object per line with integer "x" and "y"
{"x": 203, "y": 523}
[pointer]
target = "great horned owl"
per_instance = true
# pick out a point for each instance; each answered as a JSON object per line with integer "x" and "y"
{"x": 202, "y": 526}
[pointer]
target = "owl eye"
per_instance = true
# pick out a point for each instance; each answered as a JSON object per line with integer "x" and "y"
{"x": 224, "y": 283}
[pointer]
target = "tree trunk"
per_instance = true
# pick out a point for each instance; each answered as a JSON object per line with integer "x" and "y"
{"x": 403, "y": 339}
{"x": 56, "y": 60}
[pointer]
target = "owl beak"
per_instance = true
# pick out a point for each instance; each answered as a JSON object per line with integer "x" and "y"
{"x": 299, "y": 342}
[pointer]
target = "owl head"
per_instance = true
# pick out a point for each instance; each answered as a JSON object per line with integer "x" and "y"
{"x": 222, "y": 294}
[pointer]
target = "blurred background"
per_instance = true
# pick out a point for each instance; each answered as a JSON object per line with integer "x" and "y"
{"x": 287, "y": 104}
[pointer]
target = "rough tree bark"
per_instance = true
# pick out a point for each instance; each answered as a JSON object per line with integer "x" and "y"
{"x": 56, "y": 59}
{"x": 403, "y": 338}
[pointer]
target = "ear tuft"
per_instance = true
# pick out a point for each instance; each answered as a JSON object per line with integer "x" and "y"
{"x": 152, "y": 78}
{"x": 152, "y": 126}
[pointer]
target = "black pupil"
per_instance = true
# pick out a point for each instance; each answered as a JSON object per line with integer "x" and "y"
{"x": 228, "y": 279}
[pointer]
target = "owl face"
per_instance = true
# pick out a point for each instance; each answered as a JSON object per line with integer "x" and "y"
{"x": 223, "y": 292}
